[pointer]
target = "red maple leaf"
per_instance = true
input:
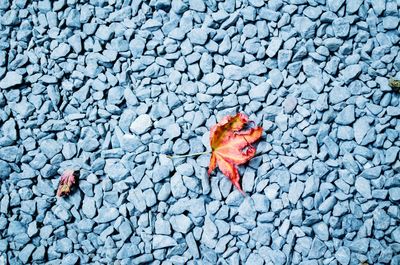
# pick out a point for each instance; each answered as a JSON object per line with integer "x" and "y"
{"x": 68, "y": 179}
{"x": 231, "y": 145}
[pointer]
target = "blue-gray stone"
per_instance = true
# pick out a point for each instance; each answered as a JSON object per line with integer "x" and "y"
{"x": 335, "y": 5}
{"x": 128, "y": 250}
{"x": 235, "y": 58}
{"x": 318, "y": 249}
{"x": 26, "y": 253}
{"x": 246, "y": 209}
{"x": 360, "y": 245}
{"x": 341, "y": 27}
{"x": 50, "y": 148}
{"x": 116, "y": 171}
{"x": 24, "y": 108}
{"x": 276, "y": 256}
{"x": 394, "y": 194}
{"x": 106, "y": 215}
{"x": 273, "y": 46}
{"x": 70, "y": 259}
{"x": 254, "y": 259}
{"x": 305, "y": 27}
{"x": 276, "y": 78}
{"x": 396, "y": 235}
{"x": 161, "y": 241}
{"x": 259, "y": 92}
{"x": 342, "y": 255}
{"x": 61, "y": 51}
{"x": 327, "y": 205}
{"x": 197, "y": 5}
{"x": 39, "y": 254}
{"x": 363, "y": 186}
{"x": 284, "y": 57}
{"x": 346, "y": 116}
{"x": 371, "y": 173}
{"x": 339, "y": 94}
{"x": 5, "y": 170}
{"x": 256, "y": 68}
{"x": 234, "y": 72}
{"x": 295, "y": 191}
{"x": 137, "y": 46}
{"x": 350, "y": 73}
{"x": 104, "y": 33}
{"x": 198, "y": 36}
{"x": 321, "y": 231}
{"x": 296, "y": 217}
{"x": 181, "y": 223}
{"x": 64, "y": 245}
{"x": 141, "y": 124}
{"x": 381, "y": 219}
{"x": 89, "y": 207}
{"x": 10, "y": 80}
{"x": 361, "y": 127}
{"x": 378, "y": 6}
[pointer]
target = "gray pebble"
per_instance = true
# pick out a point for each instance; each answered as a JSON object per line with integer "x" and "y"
{"x": 106, "y": 215}
{"x": 162, "y": 227}
{"x": 141, "y": 124}
{"x": 350, "y": 73}
{"x": 321, "y": 231}
{"x": 318, "y": 249}
{"x": 10, "y": 80}
{"x": 89, "y": 207}
{"x": 327, "y": 205}
{"x": 363, "y": 186}
{"x": 198, "y": 36}
{"x": 64, "y": 245}
{"x": 161, "y": 241}
{"x": 295, "y": 191}
{"x": 335, "y": 5}
{"x": 346, "y": 116}
{"x": 26, "y": 253}
{"x": 116, "y": 171}
{"x": 61, "y": 51}
{"x": 284, "y": 57}
{"x": 274, "y": 46}
{"x": 394, "y": 194}
{"x": 381, "y": 219}
{"x": 234, "y": 72}
{"x": 339, "y": 94}
{"x": 137, "y": 46}
{"x": 396, "y": 235}
{"x": 289, "y": 104}
{"x": 181, "y": 223}
{"x": 70, "y": 258}
{"x": 305, "y": 27}
{"x": 236, "y": 58}
{"x": 371, "y": 173}
{"x": 276, "y": 78}
{"x": 359, "y": 245}
{"x": 127, "y": 251}
{"x": 104, "y": 33}
{"x": 246, "y": 209}
{"x": 342, "y": 255}
{"x": 259, "y": 92}
{"x": 341, "y": 27}
{"x": 39, "y": 254}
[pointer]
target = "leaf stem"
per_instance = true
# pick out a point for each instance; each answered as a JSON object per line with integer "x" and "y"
{"x": 194, "y": 154}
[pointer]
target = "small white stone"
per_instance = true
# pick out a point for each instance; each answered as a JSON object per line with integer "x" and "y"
{"x": 141, "y": 124}
{"x": 11, "y": 79}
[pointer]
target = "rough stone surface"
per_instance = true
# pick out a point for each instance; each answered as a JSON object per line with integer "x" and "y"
{"x": 112, "y": 88}
{"x": 10, "y": 79}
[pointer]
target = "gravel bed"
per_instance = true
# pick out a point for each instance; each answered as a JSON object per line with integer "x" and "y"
{"x": 110, "y": 87}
